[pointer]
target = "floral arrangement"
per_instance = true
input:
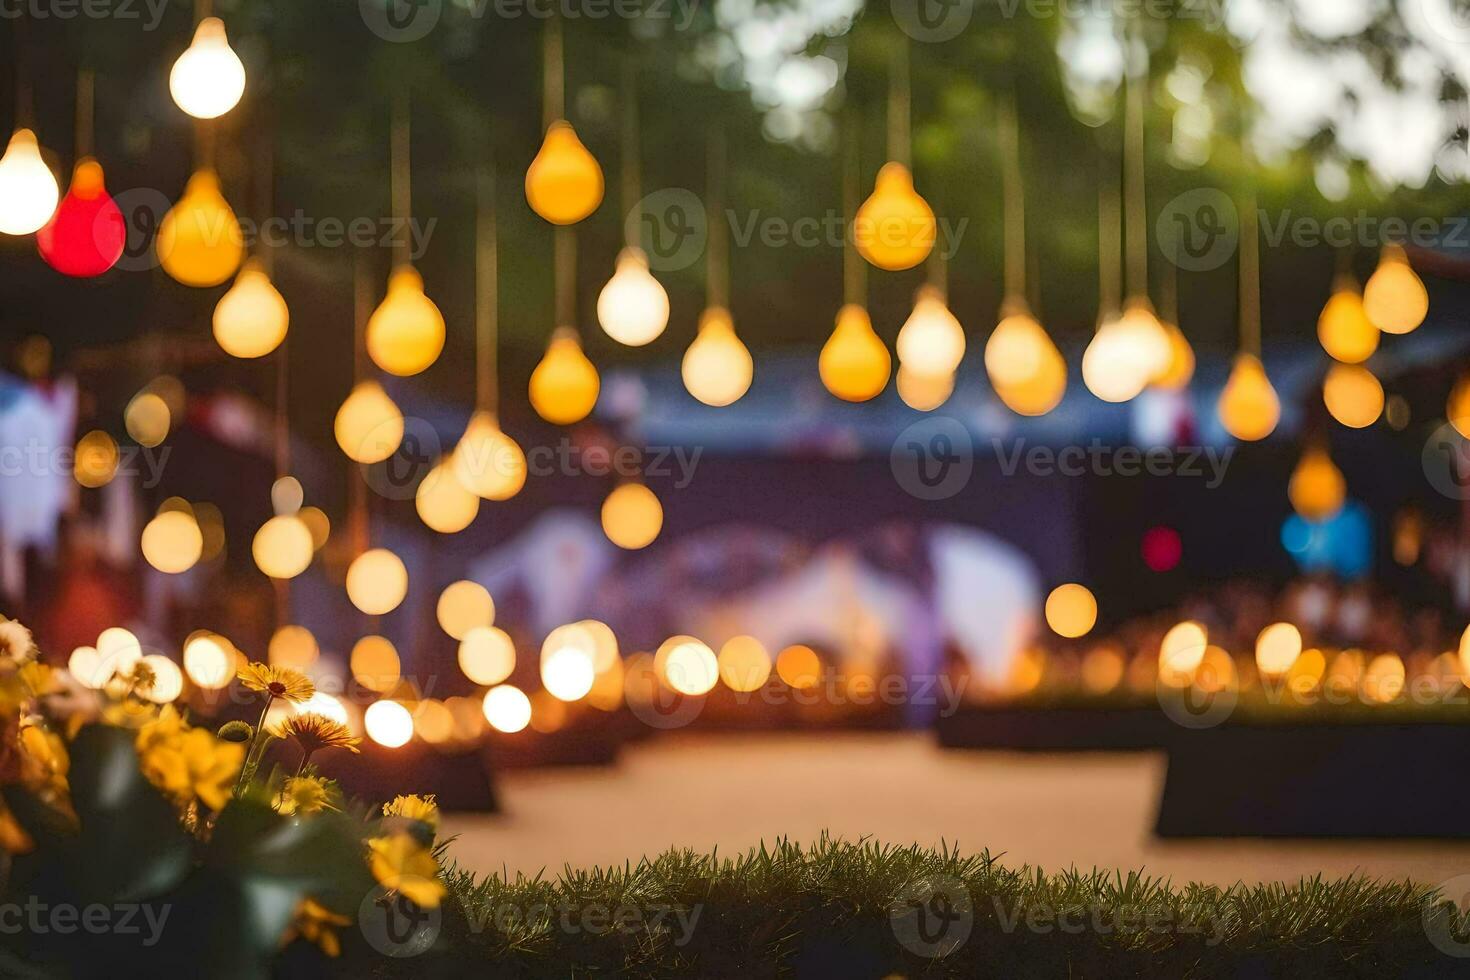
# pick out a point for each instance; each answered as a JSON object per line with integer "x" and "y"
{"x": 143, "y": 841}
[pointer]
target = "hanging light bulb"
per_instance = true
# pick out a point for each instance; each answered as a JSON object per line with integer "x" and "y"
{"x": 1249, "y": 408}
{"x": 717, "y": 367}
{"x": 1395, "y": 298}
{"x": 1181, "y": 360}
{"x": 1343, "y": 327}
{"x": 199, "y": 240}
{"x": 172, "y": 541}
{"x": 632, "y": 516}
{"x": 565, "y": 384}
{"x": 1017, "y": 347}
{"x": 443, "y": 503}
{"x": 1457, "y": 410}
{"x": 28, "y": 189}
{"x": 369, "y": 425}
{"x": 86, "y": 235}
{"x": 854, "y": 364}
{"x": 283, "y": 546}
{"x": 1144, "y": 338}
{"x": 251, "y": 318}
{"x": 1352, "y": 395}
{"x": 923, "y": 392}
{"x": 1109, "y": 368}
{"x": 487, "y": 462}
{"x": 405, "y": 334}
{"x": 1041, "y": 392}
{"x": 564, "y": 182}
{"x": 208, "y": 79}
{"x": 1317, "y": 489}
{"x": 894, "y": 229}
{"x": 633, "y": 308}
{"x": 377, "y": 581}
{"x": 931, "y": 341}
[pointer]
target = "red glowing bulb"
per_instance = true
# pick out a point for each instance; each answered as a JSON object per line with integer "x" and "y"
{"x": 86, "y": 235}
{"x": 1161, "y": 548}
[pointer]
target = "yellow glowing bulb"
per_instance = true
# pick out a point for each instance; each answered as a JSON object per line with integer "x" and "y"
{"x": 282, "y": 548}
{"x": 147, "y": 419}
{"x": 1016, "y": 348}
{"x": 488, "y": 462}
{"x": 687, "y": 665}
{"x": 568, "y": 674}
{"x": 168, "y": 680}
{"x": 1383, "y": 681}
{"x": 486, "y": 654}
{"x": 405, "y": 334}
{"x": 433, "y": 722}
{"x": 251, "y": 318}
{"x": 369, "y": 425}
{"x": 1317, "y": 489}
{"x": 633, "y": 308}
{"x": 377, "y": 581}
{"x": 118, "y": 651}
{"x": 854, "y": 364}
{"x": 923, "y": 392}
{"x": 1110, "y": 368}
{"x": 96, "y": 459}
{"x": 462, "y": 606}
{"x": 388, "y": 723}
{"x": 1353, "y": 395}
{"x": 292, "y": 646}
{"x": 28, "y": 189}
{"x": 717, "y": 368}
{"x": 564, "y": 182}
{"x": 744, "y": 664}
{"x": 208, "y": 662}
{"x": 208, "y": 79}
{"x": 894, "y": 229}
{"x": 1457, "y": 410}
{"x": 1182, "y": 651}
{"x": 443, "y": 504}
{"x": 507, "y": 709}
{"x": 1343, "y": 327}
{"x": 799, "y": 666}
{"x": 1395, "y": 298}
{"x": 565, "y": 384}
{"x": 1277, "y": 648}
{"x": 1249, "y": 408}
{"x": 172, "y": 542}
{"x": 1042, "y": 392}
{"x": 199, "y": 240}
{"x": 322, "y": 703}
{"x": 1181, "y": 360}
{"x": 374, "y": 663}
{"x": 1145, "y": 339}
{"x": 1071, "y": 610}
{"x": 931, "y": 341}
{"x": 632, "y": 516}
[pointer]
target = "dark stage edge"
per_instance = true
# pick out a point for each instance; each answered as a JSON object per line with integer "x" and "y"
{"x": 1055, "y": 729}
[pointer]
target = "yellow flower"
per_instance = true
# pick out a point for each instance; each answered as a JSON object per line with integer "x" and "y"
{"x": 314, "y": 923}
{"x": 313, "y": 731}
{"x": 304, "y": 795}
{"x": 187, "y": 763}
{"x": 414, "y": 807}
{"x": 16, "y": 644}
{"x": 401, "y": 864}
{"x": 278, "y": 682}
{"x": 44, "y": 762}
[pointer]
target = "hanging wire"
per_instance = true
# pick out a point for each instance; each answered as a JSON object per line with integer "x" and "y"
{"x": 1250, "y": 276}
{"x": 632, "y": 189}
{"x": 1109, "y": 221}
{"x": 400, "y": 174}
{"x": 1169, "y": 291}
{"x": 487, "y": 294}
{"x": 24, "y": 103}
{"x": 1015, "y": 202}
{"x": 554, "y": 80}
{"x": 86, "y": 114}
{"x": 854, "y": 269}
{"x": 717, "y": 257}
{"x": 362, "y": 307}
{"x": 565, "y": 243}
{"x": 1136, "y": 85}
{"x": 899, "y": 105}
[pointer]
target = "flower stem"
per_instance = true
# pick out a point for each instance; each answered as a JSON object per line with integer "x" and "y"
{"x": 253, "y": 753}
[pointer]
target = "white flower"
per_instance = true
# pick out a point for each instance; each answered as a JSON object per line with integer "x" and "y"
{"x": 15, "y": 642}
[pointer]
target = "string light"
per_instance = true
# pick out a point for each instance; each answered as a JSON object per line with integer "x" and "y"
{"x": 96, "y": 459}
{"x": 895, "y": 228}
{"x": 283, "y": 547}
{"x": 488, "y": 462}
{"x": 388, "y": 723}
{"x": 442, "y": 502}
{"x": 208, "y": 79}
{"x": 87, "y": 234}
{"x": 405, "y": 334}
{"x": 633, "y": 307}
{"x": 377, "y": 581}
{"x": 507, "y": 709}
{"x": 28, "y": 189}
{"x": 199, "y": 240}
{"x": 147, "y": 419}
{"x": 1395, "y": 298}
{"x": 564, "y": 183}
{"x": 374, "y": 663}
{"x": 1109, "y": 369}
{"x": 209, "y": 662}
{"x": 369, "y": 425}
{"x": 251, "y": 319}
{"x": 1071, "y": 610}
{"x": 565, "y": 384}
{"x": 931, "y": 341}
{"x": 1277, "y": 648}
{"x": 854, "y": 364}
{"x": 1343, "y": 328}
{"x": 1181, "y": 360}
{"x": 744, "y": 664}
{"x": 567, "y": 674}
{"x": 462, "y": 606}
{"x": 717, "y": 368}
{"x": 632, "y": 516}
{"x": 686, "y": 665}
{"x": 923, "y": 392}
{"x": 1352, "y": 395}
{"x": 487, "y": 655}
{"x": 172, "y": 542}
{"x": 1249, "y": 408}
{"x": 1317, "y": 489}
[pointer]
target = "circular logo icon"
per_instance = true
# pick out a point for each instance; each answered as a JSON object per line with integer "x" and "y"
{"x": 670, "y": 226}
{"x": 1193, "y": 706}
{"x": 652, "y": 703}
{"x": 142, "y": 210}
{"x": 1446, "y": 462}
{"x": 1199, "y": 230}
{"x": 932, "y": 21}
{"x": 932, "y": 916}
{"x": 933, "y": 458}
{"x": 1446, "y": 917}
{"x": 400, "y": 21}
{"x": 398, "y": 476}
{"x": 395, "y": 926}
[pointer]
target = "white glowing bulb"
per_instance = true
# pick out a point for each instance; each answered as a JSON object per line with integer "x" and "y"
{"x": 388, "y": 723}
{"x": 931, "y": 342}
{"x": 633, "y": 308}
{"x": 28, "y": 190}
{"x": 1110, "y": 367}
{"x": 208, "y": 79}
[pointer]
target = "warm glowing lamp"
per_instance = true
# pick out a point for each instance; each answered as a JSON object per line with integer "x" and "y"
{"x": 293, "y": 646}
{"x": 1181, "y": 651}
{"x": 375, "y": 664}
{"x": 1395, "y": 298}
{"x": 199, "y": 240}
{"x": 931, "y": 342}
{"x": 687, "y": 665}
{"x": 251, "y": 318}
{"x": 1317, "y": 489}
{"x": 1181, "y": 360}
{"x": 565, "y": 384}
{"x": 1343, "y": 327}
{"x": 209, "y": 662}
{"x": 1144, "y": 339}
{"x": 632, "y": 516}
{"x": 96, "y": 459}
{"x": 28, "y": 189}
{"x": 894, "y": 229}
{"x": 1277, "y": 648}
{"x": 1071, "y": 610}
{"x": 745, "y": 665}
{"x": 388, "y": 723}
{"x": 488, "y": 462}
{"x": 1016, "y": 348}
{"x": 86, "y": 235}
{"x": 1353, "y": 395}
{"x": 172, "y": 541}
{"x": 1457, "y": 410}
{"x": 1249, "y": 408}
{"x": 923, "y": 392}
{"x": 1040, "y": 393}
{"x": 377, "y": 581}
{"x": 462, "y": 606}
{"x": 507, "y": 709}
{"x": 147, "y": 418}
{"x": 486, "y": 654}
{"x": 443, "y": 503}
{"x": 208, "y": 79}
{"x": 405, "y": 334}
{"x": 369, "y": 425}
{"x": 283, "y": 547}
{"x": 564, "y": 182}
{"x": 633, "y": 308}
{"x": 1110, "y": 368}
{"x": 717, "y": 367}
{"x": 854, "y": 364}
{"x": 567, "y": 673}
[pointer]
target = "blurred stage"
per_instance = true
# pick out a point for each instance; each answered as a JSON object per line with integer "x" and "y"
{"x": 730, "y": 791}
